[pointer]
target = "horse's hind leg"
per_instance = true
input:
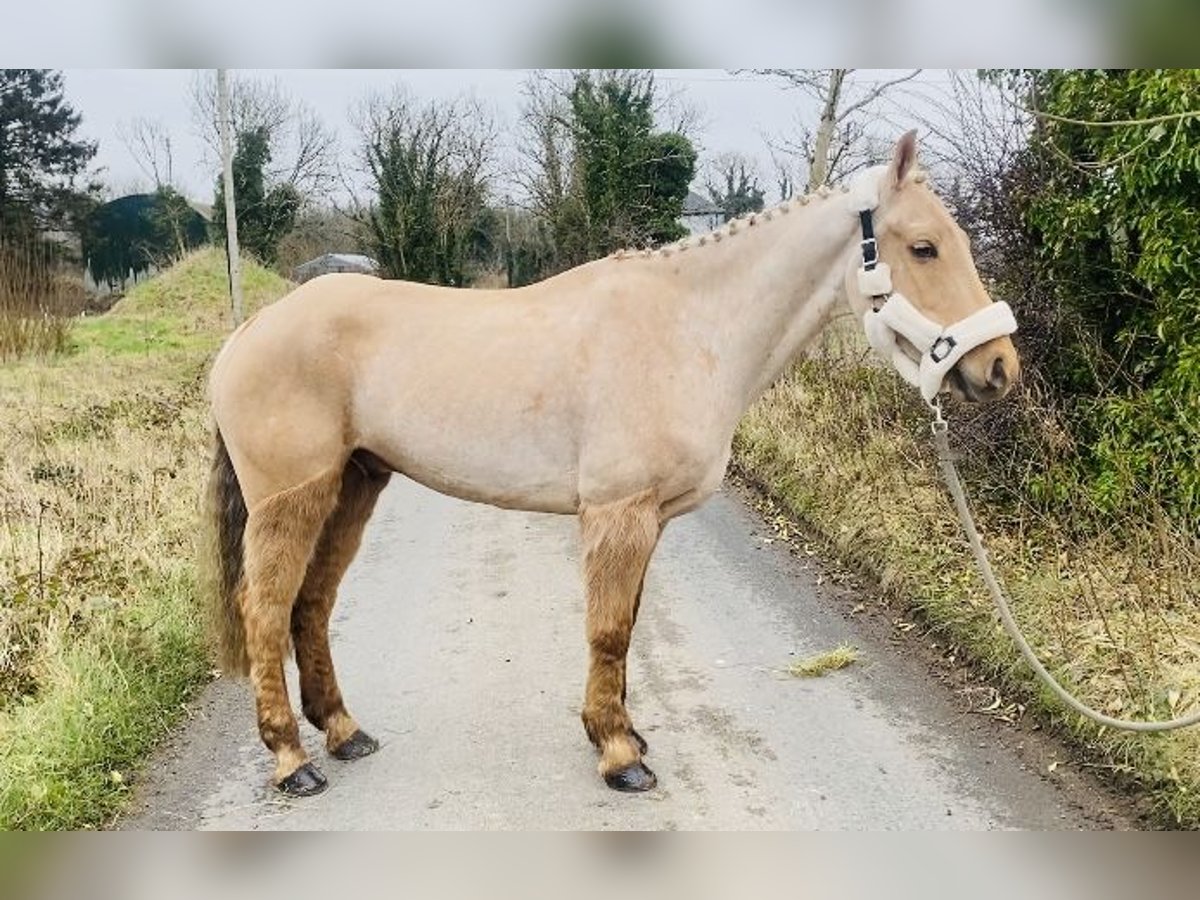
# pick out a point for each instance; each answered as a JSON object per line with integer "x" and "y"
{"x": 319, "y": 694}
{"x": 281, "y": 534}
{"x": 618, "y": 540}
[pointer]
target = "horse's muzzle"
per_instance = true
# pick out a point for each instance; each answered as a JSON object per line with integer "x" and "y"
{"x": 1000, "y": 380}
{"x": 986, "y": 373}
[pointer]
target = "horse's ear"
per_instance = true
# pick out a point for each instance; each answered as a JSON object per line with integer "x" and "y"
{"x": 904, "y": 158}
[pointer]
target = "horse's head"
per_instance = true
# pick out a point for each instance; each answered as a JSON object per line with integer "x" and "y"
{"x": 923, "y": 304}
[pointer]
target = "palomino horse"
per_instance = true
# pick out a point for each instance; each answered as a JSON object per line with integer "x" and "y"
{"x": 610, "y": 392}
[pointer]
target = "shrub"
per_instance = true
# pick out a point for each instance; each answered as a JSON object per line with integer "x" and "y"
{"x": 1114, "y": 222}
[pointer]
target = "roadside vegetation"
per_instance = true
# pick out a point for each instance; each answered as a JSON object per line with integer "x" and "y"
{"x": 1085, "y": 480}
{"x": 102, "y": 458}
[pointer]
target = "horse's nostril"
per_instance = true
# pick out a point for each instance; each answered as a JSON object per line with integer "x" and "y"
{"x": 999, "y": 374}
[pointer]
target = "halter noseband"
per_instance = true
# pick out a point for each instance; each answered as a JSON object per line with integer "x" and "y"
{"x": 893, "y": 317}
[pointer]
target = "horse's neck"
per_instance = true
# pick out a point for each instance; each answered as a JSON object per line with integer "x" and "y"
{"x": 763, "y": 292}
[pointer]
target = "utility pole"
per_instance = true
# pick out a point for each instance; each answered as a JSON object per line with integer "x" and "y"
{"x": 231, "y": 237}
{"x": 508, "y": 254}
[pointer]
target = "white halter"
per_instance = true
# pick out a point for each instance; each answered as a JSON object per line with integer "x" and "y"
{"x": 941, "y": 347}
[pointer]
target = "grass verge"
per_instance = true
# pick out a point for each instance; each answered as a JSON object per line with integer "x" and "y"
{"x": 102, "y": 462}
{"x": 843, "y": 448}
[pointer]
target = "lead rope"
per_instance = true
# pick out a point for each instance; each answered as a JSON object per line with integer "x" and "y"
{"x": 942, "y": 442}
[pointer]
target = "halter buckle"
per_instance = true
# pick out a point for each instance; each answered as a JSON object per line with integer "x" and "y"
{"x": 942, "y": 347}
{"x": 870, "y": 253}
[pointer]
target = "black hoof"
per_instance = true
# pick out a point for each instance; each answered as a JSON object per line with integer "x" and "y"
{"x": 304, "y": 782}
{"x": 632, "y": 780}
{"x": 643, "y": 747}
{"x": 356, "y": 746}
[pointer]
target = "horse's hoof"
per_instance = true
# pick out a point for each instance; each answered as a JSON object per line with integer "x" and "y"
{"x": 643, "y": 747}
{"x": 356, "y": 746}
{"x": 633, "y": 779}
{"x": 304, "y": 782}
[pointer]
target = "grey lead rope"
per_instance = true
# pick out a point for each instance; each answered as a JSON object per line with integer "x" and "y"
{"x": 941, "y": 440}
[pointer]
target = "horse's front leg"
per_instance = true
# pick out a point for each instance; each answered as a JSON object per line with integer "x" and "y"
{"x": 618, "y": 540}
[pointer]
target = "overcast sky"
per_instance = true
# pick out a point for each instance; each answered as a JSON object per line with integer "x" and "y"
{"x": 736, "y": 112}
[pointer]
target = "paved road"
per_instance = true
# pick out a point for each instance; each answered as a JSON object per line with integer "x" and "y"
{"x": 459, "y": 644}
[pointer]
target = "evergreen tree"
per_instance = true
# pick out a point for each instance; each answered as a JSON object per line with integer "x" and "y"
{"x": 40, "y": 154}
{"x": 264, "y": 216}
{"x": 428, "y": 221}
{"x": 599, "y": 174}
{"x": 630, "y": 180}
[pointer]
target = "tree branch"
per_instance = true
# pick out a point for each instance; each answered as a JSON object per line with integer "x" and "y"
{"x": 1116, "y": 123}
{"x": 875, "y": 93}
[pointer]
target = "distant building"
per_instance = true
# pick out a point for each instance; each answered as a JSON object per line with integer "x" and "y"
{"x": 701, "y": 215}
{"x": 205, "y": 210}
{"x": 335, "y": 262}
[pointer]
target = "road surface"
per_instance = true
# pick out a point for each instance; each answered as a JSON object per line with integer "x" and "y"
{"x": 459, "y": 644}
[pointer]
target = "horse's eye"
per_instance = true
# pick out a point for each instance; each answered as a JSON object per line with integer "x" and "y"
{"x": 924, "y": 250}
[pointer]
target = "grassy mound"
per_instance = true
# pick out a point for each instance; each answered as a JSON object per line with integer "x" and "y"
{"x": 102, "y": 462}
{"x": 186, "y": 307}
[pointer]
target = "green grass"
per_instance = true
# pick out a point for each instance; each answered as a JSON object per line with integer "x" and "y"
{"x": 844, "y": 450}
{"x": 185, "y": 308}
{"x": 69, "y": 753}
{"x": 102, "y": 460}
{"x": 130, "y": 334}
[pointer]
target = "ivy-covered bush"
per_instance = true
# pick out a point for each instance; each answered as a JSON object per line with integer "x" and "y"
{"x": 1114, "y": 220}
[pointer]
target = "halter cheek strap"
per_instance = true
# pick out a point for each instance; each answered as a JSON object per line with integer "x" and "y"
{"x": 893, "y": 317}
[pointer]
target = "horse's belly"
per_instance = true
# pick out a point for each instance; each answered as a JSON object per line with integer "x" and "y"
{"x": 510, "y": 467}
{"x": 551, "y": 495}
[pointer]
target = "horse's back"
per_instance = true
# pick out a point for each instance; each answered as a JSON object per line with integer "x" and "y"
{"x": 500, "y": 396}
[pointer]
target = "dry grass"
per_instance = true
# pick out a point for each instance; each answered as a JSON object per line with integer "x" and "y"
{"x": 36, "y": 304}
{"x": 102, "y": 458}
{"x": 1113, "y": 609}
{"x": 823, "y": 663}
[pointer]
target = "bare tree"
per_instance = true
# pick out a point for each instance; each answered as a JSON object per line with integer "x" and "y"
{"x": 674, "y": 110}
{"x": 545, "y": 146}
{"x": 971, "y": 127}
{"x": 303, "y": 149}
{"x": 150, "y": 145}
{"x": 838, "y": 144}
{"x": 784, "y": 174}
{"x": 974, "y": 133}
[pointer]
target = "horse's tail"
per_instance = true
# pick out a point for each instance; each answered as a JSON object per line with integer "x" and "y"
{"x": 225, "y": 516}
